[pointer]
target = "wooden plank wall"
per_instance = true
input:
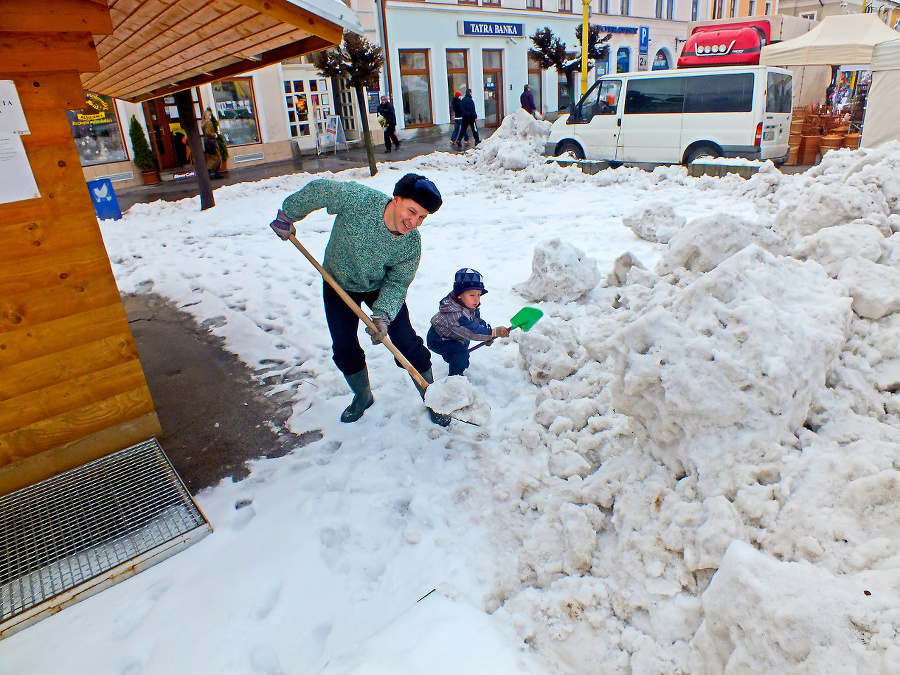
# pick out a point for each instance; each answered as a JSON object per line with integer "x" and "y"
{"x": 71, "y": 386}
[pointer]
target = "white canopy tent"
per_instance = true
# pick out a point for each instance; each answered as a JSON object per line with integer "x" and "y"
{"x": 848, "y": 38}
{"x": 882, "y": 123}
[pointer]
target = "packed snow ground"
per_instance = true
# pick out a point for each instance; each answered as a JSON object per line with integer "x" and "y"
{"x": 691, "y": 464}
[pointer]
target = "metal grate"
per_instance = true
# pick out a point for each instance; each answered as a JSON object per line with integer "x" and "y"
{"x": 80, "y": 526}
{"x": 253, "y": 157}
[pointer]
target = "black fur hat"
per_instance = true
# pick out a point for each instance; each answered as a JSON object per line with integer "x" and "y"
{"x": 421, "y": 190}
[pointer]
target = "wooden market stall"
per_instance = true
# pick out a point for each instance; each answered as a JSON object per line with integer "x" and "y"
{"x": 72, "y": 388}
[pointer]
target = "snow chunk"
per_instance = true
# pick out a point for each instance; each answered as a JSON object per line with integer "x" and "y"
{"x": 655, "y": 222}
{"x": 875, "y": 289}
{"x": 457, "y": 396}
{"x": 676, "y": 364}
{"x": 705, "y": 242}
{"x": 516, "y": 145}
{"x": 550, "y": 351}
{"x": 765, "y": 616}
{"x": 560, "y": 272}
{"x": 832, "y": 246}
{"x": 822, "y": 205}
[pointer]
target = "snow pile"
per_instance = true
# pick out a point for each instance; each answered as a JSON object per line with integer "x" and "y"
{"x": 706, "y": 242}
{"x": 844, "y": 187}
{"x": 655, "y": 222}
{"x": 458, "y": 397}
{"x": 649, "y": 501}
{"x": 560, "y": 272}
{"x": 516, "y": 145}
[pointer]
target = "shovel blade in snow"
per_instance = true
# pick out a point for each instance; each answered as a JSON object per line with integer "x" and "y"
{"x": 525, "y": 318}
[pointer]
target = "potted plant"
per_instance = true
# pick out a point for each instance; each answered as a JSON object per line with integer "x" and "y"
{"x": 143, "y": 155}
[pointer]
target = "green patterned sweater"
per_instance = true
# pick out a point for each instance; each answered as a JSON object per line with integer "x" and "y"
{"x": 362, "y": 255}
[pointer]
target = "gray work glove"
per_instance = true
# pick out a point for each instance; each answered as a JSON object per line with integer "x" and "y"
{"x": 381, "y": 325}
{"x": 283, "y": 226}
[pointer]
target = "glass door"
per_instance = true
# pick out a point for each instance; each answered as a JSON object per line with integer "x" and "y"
{"x": 492, "y": 65}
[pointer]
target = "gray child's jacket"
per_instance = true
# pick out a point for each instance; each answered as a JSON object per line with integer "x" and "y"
{"x": 455, "y": 321}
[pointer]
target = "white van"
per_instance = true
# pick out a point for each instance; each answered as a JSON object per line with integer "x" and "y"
{"x": 671, "y": 116}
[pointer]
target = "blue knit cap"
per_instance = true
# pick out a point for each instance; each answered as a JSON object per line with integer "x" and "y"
{"x": 467, "y": 279}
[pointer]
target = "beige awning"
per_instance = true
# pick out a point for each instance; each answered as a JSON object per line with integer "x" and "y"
{"x": 837, "y": 40}
{"x": 157, "y": 47}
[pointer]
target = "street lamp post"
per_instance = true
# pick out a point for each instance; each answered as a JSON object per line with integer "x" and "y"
{"x": 585, "y": 11}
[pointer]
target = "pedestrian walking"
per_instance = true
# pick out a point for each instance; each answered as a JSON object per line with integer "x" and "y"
{"x": 386, "y": 110}
{"x": 470, "y": 116}
{"x": 527, "y": 100}
{"x": 373, "y": 254}
{"x": 458, "y": 131}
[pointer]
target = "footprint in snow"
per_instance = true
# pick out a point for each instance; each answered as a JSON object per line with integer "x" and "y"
{"x": 245, "y": 513}
{"x": 264, "y": 661}
{"x": 133, "y": 616}
{"x": 266, "y": 599}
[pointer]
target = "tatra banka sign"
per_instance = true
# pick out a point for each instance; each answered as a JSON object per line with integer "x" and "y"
{"x": 490, "y": 29}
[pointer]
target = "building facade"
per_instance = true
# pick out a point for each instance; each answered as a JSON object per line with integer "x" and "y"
{"x": 436, "y": 48}
{"x": 433, "y": 49}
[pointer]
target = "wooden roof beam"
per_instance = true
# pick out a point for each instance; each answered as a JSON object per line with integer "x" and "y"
{"x": 311, "y": 44}
{"x": 56, "y": 16}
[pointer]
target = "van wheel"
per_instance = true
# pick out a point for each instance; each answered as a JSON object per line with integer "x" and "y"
{"x": 702, "y": 151}
{"x": 570, "y": 146}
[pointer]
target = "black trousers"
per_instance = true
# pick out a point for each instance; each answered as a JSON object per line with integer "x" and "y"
{"x": 343, "y": 325}
{"x": 390, "y": 137}
{"x": 469, "y": 122}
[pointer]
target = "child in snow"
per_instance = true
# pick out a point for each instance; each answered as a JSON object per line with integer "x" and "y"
{"x": 458, "y": 321}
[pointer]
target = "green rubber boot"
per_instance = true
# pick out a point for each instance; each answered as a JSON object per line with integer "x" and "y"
{"x": 436, "y": 417}
{"x": 362, "y": 396}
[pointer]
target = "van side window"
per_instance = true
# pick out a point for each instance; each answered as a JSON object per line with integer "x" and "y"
{"x": 719, "y": 93}
{"x": 779, "y": 93}
{"x": 601, "y": 99}
{"x": 653, "y": 96}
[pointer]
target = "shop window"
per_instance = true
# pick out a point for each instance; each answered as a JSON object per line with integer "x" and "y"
{"x": 768, "y": 8}
{"x": 297, "y": 105}
{"x": 563, "y": 91}
{"x": 565, "y": 6}
{"x": 623, "y": 60}
{"x": 732, "y": 8}
{"x": 415, "y": 87}
{"x": 457, "y": 75}
{"x": 751, "y": 8}
{"x": 604, "y": 6}
{"x": 660, "y": 61}
{"x": 347, "y": 96}
{"x": 695, "y": 9}
{"x": 236, "y": 111}
{"x": 96, "y": 131}
{"x": 535, "y": 81}
{"x": 670, "y": 9}
{"x": 532, "y": 4}
{"x": 625, "y": 7}
{"x": 467, "y": 2}
{"x": 659, "y": 9}
{"x": 490, "y": 3}
{"x": 717, "y": 9}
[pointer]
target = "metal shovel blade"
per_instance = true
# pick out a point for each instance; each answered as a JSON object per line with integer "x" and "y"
{"x": 525, "y": 318}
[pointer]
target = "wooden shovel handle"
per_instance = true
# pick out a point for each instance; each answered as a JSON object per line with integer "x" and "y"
{"x": 416, "y": 376}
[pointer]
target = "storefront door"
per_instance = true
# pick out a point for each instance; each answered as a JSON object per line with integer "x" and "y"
{"x": 167, "y": 136}
{"x": 492, "y": 65}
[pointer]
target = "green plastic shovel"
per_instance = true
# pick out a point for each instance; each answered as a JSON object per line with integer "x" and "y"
{"x": 525, "y": 319}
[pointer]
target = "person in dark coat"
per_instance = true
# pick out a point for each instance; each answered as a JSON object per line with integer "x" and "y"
{"x": 470, "y": 115}
{"x": 386, "y": 110}
{"x": 458, "y": 131}
{"x": 527, "y": 100}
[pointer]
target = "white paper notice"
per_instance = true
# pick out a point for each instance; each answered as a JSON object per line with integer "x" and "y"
{"x": 18, "y": 180}
{"x": 12, "y": 117}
